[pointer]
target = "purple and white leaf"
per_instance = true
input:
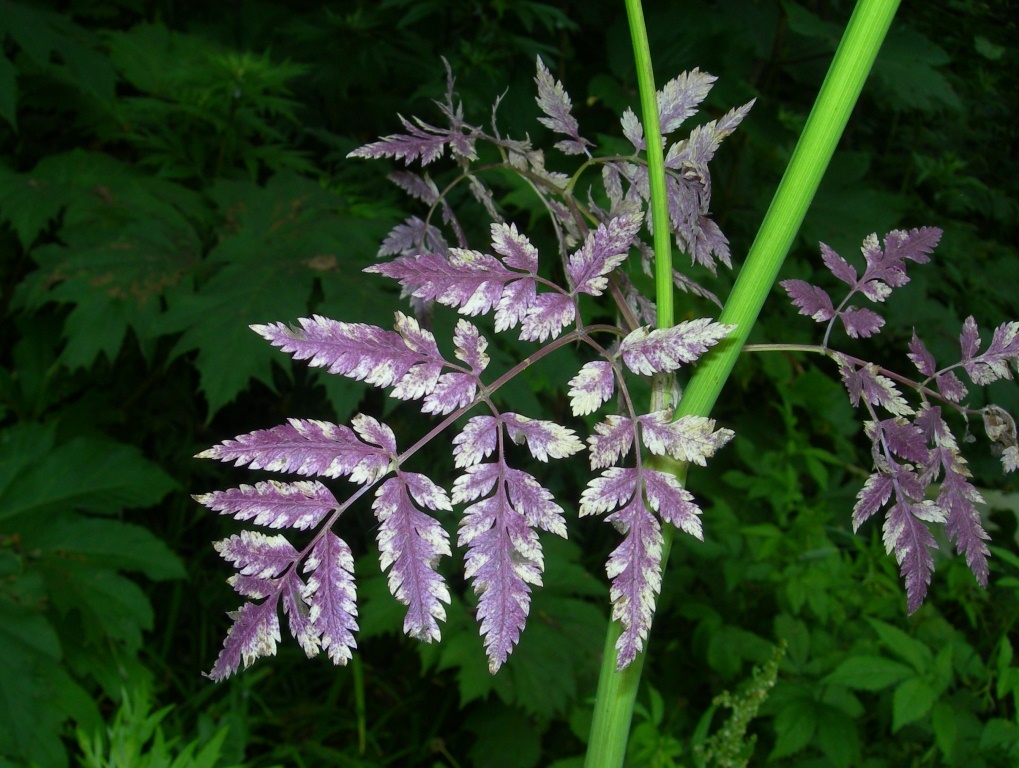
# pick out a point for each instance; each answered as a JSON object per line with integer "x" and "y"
{"x": 921, "y": 357}
{"x": 838, "y": 266}
{"x": 906, "y": 535}
{"x": 861, "y": 322}
{"x": 362, "y": 352}
{"x": 422, "y": 141}
{"x": 253, "y": 634}
{"x": 305, "y": 447}
{"x": 633, "y": 130}
{"x": 666, "y": 349}
{"x": 544, "y": 439}
{"x": 868, "y": 383}
{"x": 516, "y": 249}
{"x": 689, "y": 438}
{"x": 810, "y": 300}
{"x": 993, "y": 364}
{"x": 611, "y": 442}
{"x": 591, "y": 387}
{"x": 452, "y": 391}
{"x": 555, "y": 103}
{"x": 673, "y": 503}
{"x": 951, "y": 387}
{"x": 547, "y": 316}
{"x": 503, "y": 557}
{"x": 411, "y": 544}
{"x": 678, "y": 99}
{"x": 274, "y": 504}
{"x": 470, "y": 346}
{"x": 299, "y": 614}
{"x": 413, "y": 236}
{"x": 332, "y": 597}
{"x": 255, "y": 554}
{"x": 477, "y": 441}
{"x": 634, "y": 567}
{"x": 603, "y": 250}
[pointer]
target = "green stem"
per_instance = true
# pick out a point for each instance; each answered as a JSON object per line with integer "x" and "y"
{"x": 853, "y": 60}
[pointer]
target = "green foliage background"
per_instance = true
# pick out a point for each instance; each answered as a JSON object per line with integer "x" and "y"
{"x": 173, "y": 171}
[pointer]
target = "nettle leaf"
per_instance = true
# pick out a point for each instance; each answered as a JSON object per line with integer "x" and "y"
{"x": 504, "y": 555}
{"x": 544, "y": 439}
{"x": 410, "y": 545}
{"x": 665, "y": 349}
{"x": 592, "y": 387}
{"x": 298, "y": 505}
{"x": 409, "y": 359}
{"x": 308, "y": 447}
{"x": 255, "y": 554}
{"x": 604, "y": 249}
{"x": 555, "y": 103}
{"x": 331, "y": 595}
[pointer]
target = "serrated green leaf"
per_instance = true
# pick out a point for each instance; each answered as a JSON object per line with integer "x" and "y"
{"x": 911, "y": 701}
{"x": 88, "y": 474}
{"x": 946, "y": 728}
{"x": 868, "y": 673}
{"x": 795, "y": 725}
{"x": 30, "y": 724}
{"x": 907, "y": 68}
{"x": 108, "y": 606}
{"x": 109, "y": 543}
{"x": 902, "y": 645}
{"x": 838, "y": 737}
{"x": 9, "y": 92}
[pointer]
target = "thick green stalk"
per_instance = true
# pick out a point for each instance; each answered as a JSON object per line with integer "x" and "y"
{"x": 853, "y": 60}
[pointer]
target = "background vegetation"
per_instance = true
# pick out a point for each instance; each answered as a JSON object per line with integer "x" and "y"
{"x": 173, "y": 171}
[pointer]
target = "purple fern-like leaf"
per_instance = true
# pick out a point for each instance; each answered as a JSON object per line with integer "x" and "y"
{"x": 691, "y": 439}
{"x": 957, "y": 497}
{"x": 331, "y": 595}
{"x": 591, "y": 387}
{"x": 413, "y": 236}
{"x": 306, "y": 447}
{"x": 810, "y": 300}
{"x": 298, "y": 614}
{"x": 861, "y": 322}
{"x": 921, "y": 357}
{"x": 611, "y": 441}
{"x": 421, "y": 141}
{"x": 673, "y": 503}
{"x": 504, "y": 555}
{"x": 604, "y": 249}
{"x": 906, "y": 535}
{"x": 298, "y": 505}
{"x": 410, "y": 546}
{"x": 452, "y": 391}
{"x": 866, "y": 383}
{"x": 477, "y": 441}
{"x": 679, "y": 98}
{"x": 555, "y": 103}
{"x": 993, "y": 364}
{"x": 544, "y": 439}
{"x": 253, "y": 634}
{"x": 470, "y": 346}
{"x": 362, "y": 352}
{"x": 547, "y": 316}
{"x": 255, "y": 554}
{"x": 666, "y": 349}
{"x": 634, "y": 567}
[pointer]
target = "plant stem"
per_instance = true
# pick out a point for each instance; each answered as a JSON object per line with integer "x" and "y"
{"x": 617, "y": 690}
{"x": 853, "y": 60}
